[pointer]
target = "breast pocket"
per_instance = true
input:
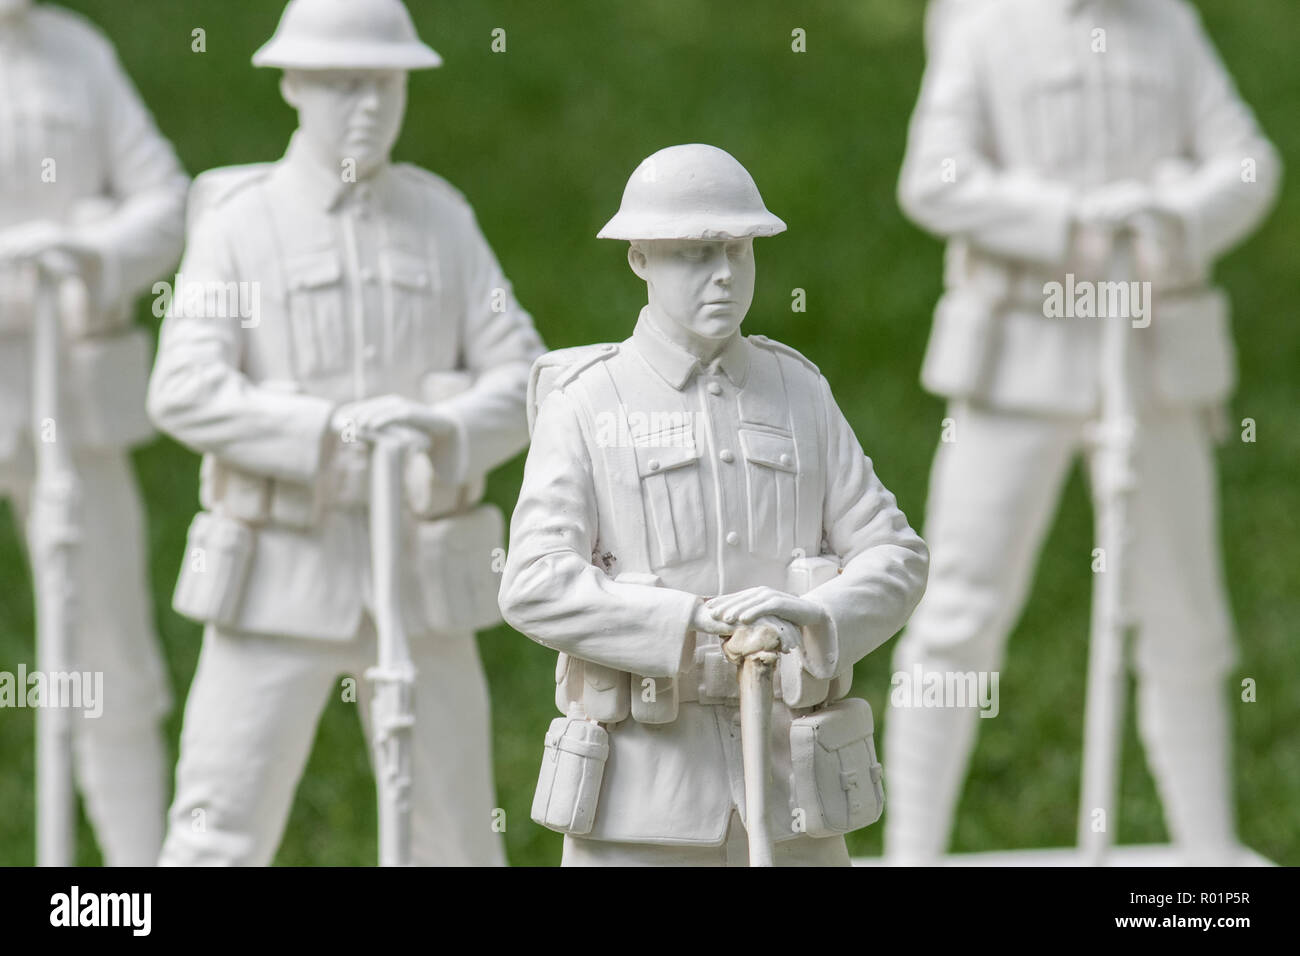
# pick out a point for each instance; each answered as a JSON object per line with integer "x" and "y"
{"x": 58, "y": 127}
{"x": 317, "y": 314}
{"x": 413, "y": 294}
{"x": 771, "y": 470}
{"x": 1055, "y": 108}
{"x": 1153, "y": 118}
{"x": 673, "y": 500}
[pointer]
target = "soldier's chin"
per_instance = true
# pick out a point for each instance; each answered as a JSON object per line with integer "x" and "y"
{"x": 718, "y": 321}
{"x": 368, "y": 154}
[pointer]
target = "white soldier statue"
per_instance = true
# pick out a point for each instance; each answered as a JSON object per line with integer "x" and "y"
{"x": 91, "y": 191}
{"x": 683, "y": 487}
{"x": 1051, "y": 136}
{"x": 378, "y": 309}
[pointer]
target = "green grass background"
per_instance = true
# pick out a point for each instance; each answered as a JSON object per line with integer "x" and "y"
{"x": 542, "y": 138}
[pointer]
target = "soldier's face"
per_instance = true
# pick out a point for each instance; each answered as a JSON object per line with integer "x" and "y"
{"x": 705, "y": 287}
{"x": 349, "y": 115}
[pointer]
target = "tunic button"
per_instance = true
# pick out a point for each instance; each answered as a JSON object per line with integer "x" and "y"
{"x": 370, "y": 352}
{"x": 733, "y": 539}
{"x": 715, "y": 388}
{"x": 785, "y": 460}
{"x": 653, "y": 464}
{"x": 727, "y": 455}
{"x": 367, "y": 275}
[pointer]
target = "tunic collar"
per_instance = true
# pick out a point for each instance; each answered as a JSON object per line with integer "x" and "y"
{"x": 324, "y": 186}
{"x": 676, "y": 366}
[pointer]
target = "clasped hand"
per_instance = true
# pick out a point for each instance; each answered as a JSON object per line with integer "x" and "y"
{"x": 392, "y": 415}
{"x": 734, "y": 616}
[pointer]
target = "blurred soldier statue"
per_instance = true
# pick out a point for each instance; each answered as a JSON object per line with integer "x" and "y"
{"x": 685, "y": 485}
{"x": 1047, "y": 130}
{"x": 90, "y": 190}
{"x": 330, "y": 297}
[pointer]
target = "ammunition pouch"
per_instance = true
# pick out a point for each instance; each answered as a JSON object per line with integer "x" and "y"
{"x": 218, "y": 554}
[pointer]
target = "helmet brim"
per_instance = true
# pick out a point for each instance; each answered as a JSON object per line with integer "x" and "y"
{"x": 352, "y": 55}
{"x": 719, "y": 228}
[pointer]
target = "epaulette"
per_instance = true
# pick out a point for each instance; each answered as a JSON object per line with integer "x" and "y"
{"x": 429, "y": 180}
{"x": 218, "y": 186}
{"x": 557, "y": 369}
{"x": 762, "y": 341}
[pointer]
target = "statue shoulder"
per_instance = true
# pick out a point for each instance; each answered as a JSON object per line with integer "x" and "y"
{"x": 218, "y": 188}
{"x": 430, "y": 185}
{"x": 554, "y": 370}
{"x": 780, "y": 348}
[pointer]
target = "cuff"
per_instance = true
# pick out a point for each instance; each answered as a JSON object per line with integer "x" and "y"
{"x": 450, "y": 455}
{"x": 821, "y": 647}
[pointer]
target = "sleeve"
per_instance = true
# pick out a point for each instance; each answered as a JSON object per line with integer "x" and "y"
{"x": 550, "y": 590}
{"x": 198, "y": 392}
{"x": 1234, "y": 172}
{"x": 141, "y": 236}
{"x": 949, "y": 183}
{"x": 885, "y": 563}
{"x": 498, "y": 346}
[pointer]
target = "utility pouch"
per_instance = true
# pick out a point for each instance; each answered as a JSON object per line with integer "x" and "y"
{"x": 218, "y": 553}
{"x": 573, "y": 765}
{"x": 605, "y": 694}
{"x": 654, "y": 699}
{"x": 454, "y": 562}
{"x": 837, "y": 778}
{"x": 799, "y": 688}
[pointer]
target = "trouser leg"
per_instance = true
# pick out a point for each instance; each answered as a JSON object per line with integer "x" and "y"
{"x": 992, "y": 494}
{"x": 120, "y": 757}
{"x": 453, "y": 805}
{"x": 1184, "y": 648}
{"x": 249, "y": 724}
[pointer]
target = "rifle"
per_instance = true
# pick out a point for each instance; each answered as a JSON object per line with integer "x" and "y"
{"x": 54, "y": 532}
{"x": 1114, "y": 438}
{"x": 393, "y": 676}
{"x": 756, "y": 695}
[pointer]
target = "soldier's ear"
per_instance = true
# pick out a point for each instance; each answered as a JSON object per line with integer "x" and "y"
{"x": 289, "y": 89}
{"x": 636, "y": 259}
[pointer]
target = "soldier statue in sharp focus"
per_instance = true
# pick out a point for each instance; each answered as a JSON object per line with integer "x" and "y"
{"x": 89, "y": 191}
{"x": 682, "y": 487}
{"x": 379, "y": 309}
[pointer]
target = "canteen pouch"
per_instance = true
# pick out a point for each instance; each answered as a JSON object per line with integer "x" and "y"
{"x": 836, "y": 776}
{"x": 218, "y": 553}
{"x": 456, "y": 561}
{"x": 573, "y": 765}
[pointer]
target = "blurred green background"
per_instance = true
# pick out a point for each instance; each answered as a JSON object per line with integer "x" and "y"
{"x": 542, "y": 138}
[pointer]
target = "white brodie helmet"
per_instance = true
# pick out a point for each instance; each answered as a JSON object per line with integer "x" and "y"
{"x": 691, "y": 192}
{"x": 346, "y": 35}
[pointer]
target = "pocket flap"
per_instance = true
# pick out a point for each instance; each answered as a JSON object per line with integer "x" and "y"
{"x": 314, "y": 270}
{"x": 407, "y": 270}
{"x": 844, "y": 723}
{"x": 769, "y": 449}
{"x": 653, "y": 459}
